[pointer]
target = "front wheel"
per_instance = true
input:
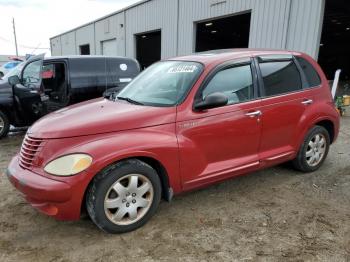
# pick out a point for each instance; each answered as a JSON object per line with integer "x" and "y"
{"x": 313, "y": 151}
{"x": 124, "y": 196}
{"x": 4, "y": 124}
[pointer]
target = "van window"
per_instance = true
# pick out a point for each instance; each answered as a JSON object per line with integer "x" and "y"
{"x": 280, "y": 77}
{"x": 236, "y": 83}
{"x": 311, "y": 74}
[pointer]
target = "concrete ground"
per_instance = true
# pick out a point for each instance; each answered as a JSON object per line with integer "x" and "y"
{"x": 273, "y": 215}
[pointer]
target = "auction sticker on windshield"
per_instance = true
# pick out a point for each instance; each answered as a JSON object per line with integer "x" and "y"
{"x": 182, "y": 69}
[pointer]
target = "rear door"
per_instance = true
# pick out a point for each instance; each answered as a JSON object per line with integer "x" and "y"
{"x": 284, "y": 101}
{"x": 27, "y": 92}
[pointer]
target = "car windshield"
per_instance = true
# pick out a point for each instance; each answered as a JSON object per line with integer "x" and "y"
{"x": 14, "y": 71}
{"x": 162, "y": 84}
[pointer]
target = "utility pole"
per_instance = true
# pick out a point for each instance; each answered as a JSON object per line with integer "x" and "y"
{"x": 14, "y": 32}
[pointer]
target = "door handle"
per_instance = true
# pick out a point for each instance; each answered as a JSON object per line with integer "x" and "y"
{"x": 307, "y": 102}
{"x": 254, "y": 114}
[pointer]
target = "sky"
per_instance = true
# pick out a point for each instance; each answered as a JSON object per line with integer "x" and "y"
{"x": 38, "y": 20}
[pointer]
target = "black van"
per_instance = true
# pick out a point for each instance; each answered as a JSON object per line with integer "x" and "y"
{"x": 39, "y": 86}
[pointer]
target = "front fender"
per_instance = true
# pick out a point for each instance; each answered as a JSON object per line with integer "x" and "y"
{"x": 158, "y": 143}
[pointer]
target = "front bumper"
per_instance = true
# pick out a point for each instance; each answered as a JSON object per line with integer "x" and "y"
{"x": 52, "y": 197}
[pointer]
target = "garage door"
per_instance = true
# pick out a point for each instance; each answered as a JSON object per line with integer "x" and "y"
{"x": 109, "y": 47}
{"x": 222, "y": 33}
{"x": 148, "y": 48}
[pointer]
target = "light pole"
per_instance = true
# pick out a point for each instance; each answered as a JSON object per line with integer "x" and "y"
{"x": 14, "y": 32}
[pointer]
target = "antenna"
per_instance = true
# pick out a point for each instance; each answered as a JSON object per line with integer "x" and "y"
{"x": 14, "y": 32}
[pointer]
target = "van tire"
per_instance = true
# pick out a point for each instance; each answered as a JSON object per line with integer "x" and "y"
{"x": 4, "y": 124}
{"x": 102, "y": 188}
{"x": 301, "y": 162}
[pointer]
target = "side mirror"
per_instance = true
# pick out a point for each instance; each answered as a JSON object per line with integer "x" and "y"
{"x": 212, "y": 101}
{"x": 13, "y": 80}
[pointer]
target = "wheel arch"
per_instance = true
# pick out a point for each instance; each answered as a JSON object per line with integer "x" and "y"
{"x": 167, "y": 191}
{"x": 7, "y": 112}
{"x": 329, "y": 126}
{"x": 328, "y": 122}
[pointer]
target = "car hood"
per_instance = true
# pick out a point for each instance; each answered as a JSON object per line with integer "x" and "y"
{"x": 5, "y": 87}
{"x": 3, "y": 83}
{"x": 100, "y": 116}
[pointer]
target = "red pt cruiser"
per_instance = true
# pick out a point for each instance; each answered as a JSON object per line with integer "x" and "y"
{"x": 182, "y": 124}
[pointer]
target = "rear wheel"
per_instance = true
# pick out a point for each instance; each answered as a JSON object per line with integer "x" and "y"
{"x": 124, "y": 197}
{"x": 313, "y": 151}
{"x": 4, "y": 124}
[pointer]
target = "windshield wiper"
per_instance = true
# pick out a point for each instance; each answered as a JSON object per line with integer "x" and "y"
{"x": 131, "y": 101}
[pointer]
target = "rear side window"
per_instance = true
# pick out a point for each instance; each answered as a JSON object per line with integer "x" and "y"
{"x": 236, "y": 83}
{"x": 280, "y": 77}
{"x": 311, "y": 74}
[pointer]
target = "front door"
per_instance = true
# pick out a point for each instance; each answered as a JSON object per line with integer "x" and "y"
{"x": 221, "y": 142}
{"x": 27, "y": 92}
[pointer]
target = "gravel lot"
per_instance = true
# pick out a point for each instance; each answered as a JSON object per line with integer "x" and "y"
{"x": 272, "y": 215}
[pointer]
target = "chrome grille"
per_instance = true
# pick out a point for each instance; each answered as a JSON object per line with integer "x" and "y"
{"x": 29, "y": 151}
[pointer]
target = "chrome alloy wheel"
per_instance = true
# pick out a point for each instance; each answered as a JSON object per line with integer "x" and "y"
{"x": 2, "y": 124}
{"x": 316, "y": 150}
{"x": 128, "y": 199}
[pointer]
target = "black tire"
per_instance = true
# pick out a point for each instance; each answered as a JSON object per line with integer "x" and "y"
{"x": 5, "y": 127}
{"x": 101, "y": 186}
{"x": 300, "y": 162}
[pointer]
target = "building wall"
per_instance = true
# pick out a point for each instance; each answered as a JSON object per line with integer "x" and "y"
{"x": 85, "y": 35}
{"x": 111, "y": 28}
{"x": 267, "y": 28}
{"x": 151, "y": 16}
{"x": 305, "y": 20}
{"x": 56, "y": 48}
{"x": 274, "y": 24}
{"x": 68, "y": 45}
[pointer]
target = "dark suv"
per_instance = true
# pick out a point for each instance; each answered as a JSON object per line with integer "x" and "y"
{"x": 39, "y": 86}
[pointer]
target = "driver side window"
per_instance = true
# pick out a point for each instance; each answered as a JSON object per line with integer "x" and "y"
{"x": 31, "y": 75}
{"x": 234, "y": 82}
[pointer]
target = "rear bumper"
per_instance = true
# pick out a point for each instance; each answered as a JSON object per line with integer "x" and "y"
{"x": 51, "y": 197}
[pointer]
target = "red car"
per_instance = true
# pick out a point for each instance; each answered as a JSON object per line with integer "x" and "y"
{"x": 182, "y": 124}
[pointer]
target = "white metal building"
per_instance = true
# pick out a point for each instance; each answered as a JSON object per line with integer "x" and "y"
{"x": 156, "y": 29}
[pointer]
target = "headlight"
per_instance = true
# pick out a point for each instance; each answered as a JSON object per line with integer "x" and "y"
{"x": 68, "y": 165}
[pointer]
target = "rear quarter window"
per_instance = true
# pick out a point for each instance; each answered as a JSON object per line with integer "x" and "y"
{"x": 310, "y": 72}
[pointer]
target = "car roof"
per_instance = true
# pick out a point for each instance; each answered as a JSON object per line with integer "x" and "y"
{"x": 84, "y": 57}
{"x": 222, "y": 55}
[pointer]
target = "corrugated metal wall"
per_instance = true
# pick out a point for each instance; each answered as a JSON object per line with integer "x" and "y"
{"x": 111, "y": 28}
{"x": 282, "y": 24}
{"x": 151, "y": 16}
{"x": 305, "y": 26}
{"x": 85, "y": 35}
{"x": 268, "y": 23}
{"x": 68, "y": 45}
{"x": 55, "y": 44}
